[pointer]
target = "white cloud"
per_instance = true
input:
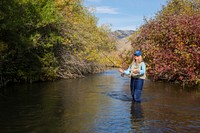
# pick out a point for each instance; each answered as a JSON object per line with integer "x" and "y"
{"x": 106, "y": 10}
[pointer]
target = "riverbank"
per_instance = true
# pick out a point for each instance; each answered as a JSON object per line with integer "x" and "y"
{"x": 70, "y": 70}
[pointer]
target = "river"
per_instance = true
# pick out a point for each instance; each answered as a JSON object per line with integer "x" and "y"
{"x": 98, "y": 103}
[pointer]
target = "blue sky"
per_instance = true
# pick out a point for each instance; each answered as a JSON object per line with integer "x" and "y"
{"x": 124, "y": 14}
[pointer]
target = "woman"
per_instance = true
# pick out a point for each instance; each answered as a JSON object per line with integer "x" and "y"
{"x": 137, "y": 72}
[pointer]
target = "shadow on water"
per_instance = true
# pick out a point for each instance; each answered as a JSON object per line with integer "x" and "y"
{"x": 120, "y": 95}
{"x": 99, "y": 103}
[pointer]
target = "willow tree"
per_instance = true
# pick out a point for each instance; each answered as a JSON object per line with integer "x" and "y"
{"x": 80, "y": 31}
{"x": 82, "y": 40}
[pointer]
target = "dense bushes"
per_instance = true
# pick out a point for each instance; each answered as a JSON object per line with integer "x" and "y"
{"x": 171, "y": 43}
{"x": 32, "y": 31}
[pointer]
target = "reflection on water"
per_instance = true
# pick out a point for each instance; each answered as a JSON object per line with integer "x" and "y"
{"x": 99, "y": 103}
{"x": 137, "y": 118}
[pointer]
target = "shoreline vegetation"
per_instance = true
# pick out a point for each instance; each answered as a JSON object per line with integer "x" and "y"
{"x": 170, "y": 43}
{"x": 46, "y": 40}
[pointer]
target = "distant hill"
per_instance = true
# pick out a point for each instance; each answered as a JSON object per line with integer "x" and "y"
{"x": 119, "y": 34}
{"x": 122, "y": 37}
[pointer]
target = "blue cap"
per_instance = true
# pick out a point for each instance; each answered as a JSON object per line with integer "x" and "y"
{"x": 138, "y": 53}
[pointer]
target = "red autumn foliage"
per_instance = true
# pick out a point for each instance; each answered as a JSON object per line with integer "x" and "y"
{"x": 171, "y": 47}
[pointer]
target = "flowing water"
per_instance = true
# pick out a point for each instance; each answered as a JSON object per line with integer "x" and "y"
{"x": 99, "y": 103}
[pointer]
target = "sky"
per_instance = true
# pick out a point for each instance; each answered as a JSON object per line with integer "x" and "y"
{"x": 124, "y": 14}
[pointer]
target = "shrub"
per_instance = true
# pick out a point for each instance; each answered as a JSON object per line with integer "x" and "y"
{"x": 171, "y": 47}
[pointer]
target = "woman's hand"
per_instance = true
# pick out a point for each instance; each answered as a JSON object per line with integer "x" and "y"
{"x": 136, "y": 72}
{"x": 122, "y": 74}
{"x": 121, "y": 70}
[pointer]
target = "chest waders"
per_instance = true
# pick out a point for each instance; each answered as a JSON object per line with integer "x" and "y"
{"x": 137, "y": 82}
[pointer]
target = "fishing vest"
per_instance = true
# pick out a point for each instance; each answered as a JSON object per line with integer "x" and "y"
{"x": 138, "y": 67}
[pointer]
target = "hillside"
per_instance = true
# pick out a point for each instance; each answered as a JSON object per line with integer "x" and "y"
{"x": 119, "y": 34}
{"x": 122, "y": 37}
